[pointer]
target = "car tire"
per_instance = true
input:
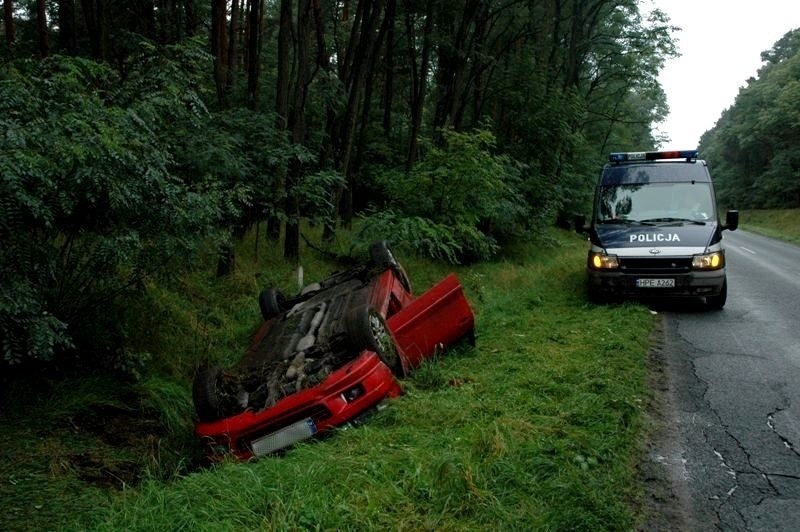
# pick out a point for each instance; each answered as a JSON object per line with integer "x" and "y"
{"x": 367, "y": 329}
{"x": 271, "y": 302}
{"x": 718, "y": 301}
{"x": 205, "y": 393}
{"x": 381, "y": 257}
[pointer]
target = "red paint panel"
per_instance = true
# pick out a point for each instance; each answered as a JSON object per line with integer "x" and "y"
{"x": 438, "y": 318}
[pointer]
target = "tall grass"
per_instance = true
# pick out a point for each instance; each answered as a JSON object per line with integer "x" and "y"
{"x": 535, "y": 428}
{"x": 783, "y": 224}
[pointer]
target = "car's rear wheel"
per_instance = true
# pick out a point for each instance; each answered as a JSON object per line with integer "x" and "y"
{"x": 271, "y": 302}
{"x": 718, "y": 301}
{"x": 381, "y": 256}
{"x": 205, "y": 393}
{"x": 367, "y": 329}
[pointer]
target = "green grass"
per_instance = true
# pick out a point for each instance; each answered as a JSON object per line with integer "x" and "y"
{"x": 783, "y": 224}
{"x": 537, "y": 427}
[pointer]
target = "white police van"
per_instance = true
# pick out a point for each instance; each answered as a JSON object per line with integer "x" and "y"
{"x": 655, "y": 231}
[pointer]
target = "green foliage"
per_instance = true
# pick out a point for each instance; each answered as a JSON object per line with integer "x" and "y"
{"x": 93, "y": 201}
{"x": 456, "y": 203}
{"x": 753, "y": 148}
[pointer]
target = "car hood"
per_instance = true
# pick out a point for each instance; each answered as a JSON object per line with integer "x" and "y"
{"x": 684, "y": 235}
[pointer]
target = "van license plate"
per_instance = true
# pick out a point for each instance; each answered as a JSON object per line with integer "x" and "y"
{"x": 655, "y": 283}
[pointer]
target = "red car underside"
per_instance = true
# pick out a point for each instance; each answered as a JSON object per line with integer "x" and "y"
{"x": 437, "y": 319}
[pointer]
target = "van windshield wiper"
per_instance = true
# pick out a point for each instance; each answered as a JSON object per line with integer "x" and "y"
{"x": 620, "y": 221}
{"x": 674, "y": 220}
{"x": 624, "y": 221}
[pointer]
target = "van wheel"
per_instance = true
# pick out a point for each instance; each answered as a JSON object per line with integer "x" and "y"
{"x": 595, "y": 296}
{"x": 367, "y": 329}
{"x": 717, "y": 302}
{"x": 271, "y": 302}
{"x": 205, "y": 393}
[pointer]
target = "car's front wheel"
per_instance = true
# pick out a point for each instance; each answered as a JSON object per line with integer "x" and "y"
{"x": 367, "y": 329}
{"x": 205, "y": 393}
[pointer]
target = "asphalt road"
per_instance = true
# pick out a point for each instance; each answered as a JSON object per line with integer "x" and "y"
{"x": 733, "y": 390}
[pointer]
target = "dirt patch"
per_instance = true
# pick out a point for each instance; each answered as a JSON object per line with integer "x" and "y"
{"x": 118, "y": 426}
{"x": 666, "y": 505}
{"x": 98, "y": 470}
{"x": 132, "y": 431}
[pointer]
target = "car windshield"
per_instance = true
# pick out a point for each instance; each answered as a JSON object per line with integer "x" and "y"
{"x": 655, "y": 203}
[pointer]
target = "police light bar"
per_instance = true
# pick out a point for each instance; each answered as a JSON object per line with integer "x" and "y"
{"x": 621, "y": 157}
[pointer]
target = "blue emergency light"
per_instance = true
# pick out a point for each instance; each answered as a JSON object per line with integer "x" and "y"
{"x": 621, "y": 157}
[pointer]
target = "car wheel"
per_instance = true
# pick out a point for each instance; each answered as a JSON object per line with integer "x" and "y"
{"x": 205, "y": 393}
{"x": 718, "y": 301}
{"x": 271, "y": 302}
{"x": 367, "y": 329}
{"x": 381, "y": 256}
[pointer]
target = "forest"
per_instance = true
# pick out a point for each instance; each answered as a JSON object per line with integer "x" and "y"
{"x": 138, "y": 136}
{"x": 754, "y": 148}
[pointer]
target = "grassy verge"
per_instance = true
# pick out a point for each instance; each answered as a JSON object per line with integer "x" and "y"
{"x": 783, "y": 224}
{"x": 538, "y": 427}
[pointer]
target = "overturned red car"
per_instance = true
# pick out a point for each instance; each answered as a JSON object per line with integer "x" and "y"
{"x": 326, "y": 356}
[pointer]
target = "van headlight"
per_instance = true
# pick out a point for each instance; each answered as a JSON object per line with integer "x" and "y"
{"x": 709, "y": 261}
{"x": 601, "y": 261}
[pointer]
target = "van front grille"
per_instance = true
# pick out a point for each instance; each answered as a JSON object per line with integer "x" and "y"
{"x": 655, "y": 265}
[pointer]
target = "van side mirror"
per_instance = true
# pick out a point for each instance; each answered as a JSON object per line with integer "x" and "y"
{"x": 731, "y": 220}
{"x": 580, "y": 223}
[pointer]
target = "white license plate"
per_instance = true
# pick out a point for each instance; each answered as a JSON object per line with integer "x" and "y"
{"x": 655, "y": 283}
{"x": 302, "y": 430}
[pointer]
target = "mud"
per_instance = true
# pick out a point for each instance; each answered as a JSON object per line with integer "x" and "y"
{"x": 127, "y": 429}
{"x": 666, "y": 507}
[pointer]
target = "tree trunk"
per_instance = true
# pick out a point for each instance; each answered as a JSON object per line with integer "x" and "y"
{"x": 368, "y": 89}
{"x": 281, "y": 105}
{"x": 41, "y": 27}
{"x": 388, "y": 84}
{"x": 360, "y": 62}
{"x": 360, "y": 48}
{"x": 297, "y": 122}
{"x": 93, "y": 15}
{"x": 255, "y": 20}
{"x": 66, "y": 27}
{"x": 8, "y": 17}
{"x": 233, "y": 47}
{"x": 218, "y": 48}
{"x": 227, "y": 253}
{"x": 191, "y": 18}
{"x": 419, "y": 82}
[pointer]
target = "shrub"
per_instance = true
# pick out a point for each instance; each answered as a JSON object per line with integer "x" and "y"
{"x": 458, "y": 203}
{"x": 92, "y": 202}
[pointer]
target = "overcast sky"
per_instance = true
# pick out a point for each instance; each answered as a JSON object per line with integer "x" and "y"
{"x": 721, "y": 43}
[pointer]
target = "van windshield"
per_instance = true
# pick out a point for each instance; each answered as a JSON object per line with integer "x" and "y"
{"x": 655, "y": 202}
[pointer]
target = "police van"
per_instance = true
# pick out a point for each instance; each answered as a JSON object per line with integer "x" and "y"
{"x": 655, "y": 231}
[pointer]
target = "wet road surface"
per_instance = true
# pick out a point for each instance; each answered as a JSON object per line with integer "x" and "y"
{"x": 733, "y": 395}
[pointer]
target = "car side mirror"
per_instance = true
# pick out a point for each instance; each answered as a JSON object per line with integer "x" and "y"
{"x": 731, "y": 220}
{"x": 580, "y": 224}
